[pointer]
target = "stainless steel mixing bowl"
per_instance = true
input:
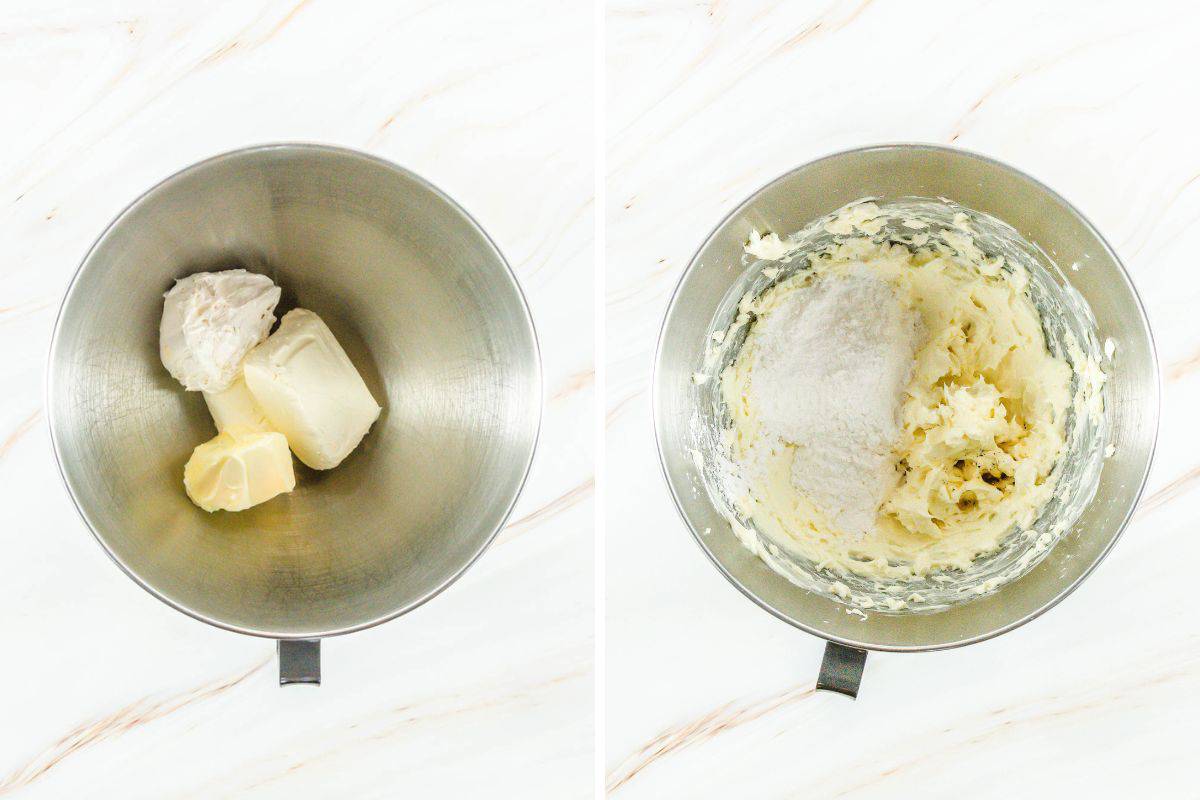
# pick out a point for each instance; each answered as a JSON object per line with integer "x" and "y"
{"x": 1042, "y": 217}
{"x": 429, "y": 312}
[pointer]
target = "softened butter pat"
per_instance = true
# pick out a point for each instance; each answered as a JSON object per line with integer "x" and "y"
{"x": 236, "y": 408}
{"x": 309, "y": 391}
{"x": 238, "y": 469}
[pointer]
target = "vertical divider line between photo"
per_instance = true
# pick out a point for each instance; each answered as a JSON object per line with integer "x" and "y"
{"x": 599, "y": 267}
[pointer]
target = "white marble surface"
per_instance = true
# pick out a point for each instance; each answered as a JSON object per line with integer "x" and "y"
{"x": 487, "y": 690}
{"x": 707, "y": 696}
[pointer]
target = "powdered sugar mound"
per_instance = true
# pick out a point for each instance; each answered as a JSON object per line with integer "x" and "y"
{"x": 832, "y": 364}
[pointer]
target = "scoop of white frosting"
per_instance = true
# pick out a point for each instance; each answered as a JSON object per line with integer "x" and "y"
{"x": 210, "y": 321}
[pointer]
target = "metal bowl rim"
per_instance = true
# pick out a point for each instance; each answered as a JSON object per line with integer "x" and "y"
{"x": 1145, "y": 322}
{"x": 327, "y": 150}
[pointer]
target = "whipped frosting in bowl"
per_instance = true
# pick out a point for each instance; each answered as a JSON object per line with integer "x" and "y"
{"x": 210, "y": 321}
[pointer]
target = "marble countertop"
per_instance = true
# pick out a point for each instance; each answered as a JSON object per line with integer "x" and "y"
{"x": 487, "y": 690}
{"x": 706, "y": 695}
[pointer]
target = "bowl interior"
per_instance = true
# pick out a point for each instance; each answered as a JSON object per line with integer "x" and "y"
{"x": 1040, "y": 216}
{"x": 427, "y": 310}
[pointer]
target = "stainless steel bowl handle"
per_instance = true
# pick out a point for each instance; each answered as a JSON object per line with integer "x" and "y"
{"x": 299, "y": 661}
{"x": 841, "y": 669}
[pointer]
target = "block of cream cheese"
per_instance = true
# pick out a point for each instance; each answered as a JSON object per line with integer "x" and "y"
{"x": 235, "y": 408}
{"x": 309, "y": 391}
{"x": 210, "y": 321}
{"x": 238, "y": 469}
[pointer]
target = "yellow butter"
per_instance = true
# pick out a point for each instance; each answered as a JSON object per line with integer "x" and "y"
{"x": 238, "y": 469}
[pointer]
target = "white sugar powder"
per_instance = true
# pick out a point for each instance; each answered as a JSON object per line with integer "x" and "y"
{"x": 832, "y": 364}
